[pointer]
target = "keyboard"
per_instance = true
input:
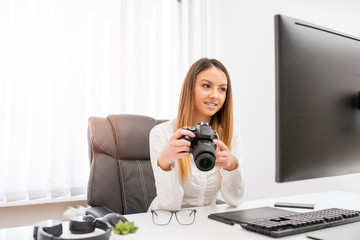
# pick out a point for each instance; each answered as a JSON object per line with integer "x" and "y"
{"x": 302, "y": 222}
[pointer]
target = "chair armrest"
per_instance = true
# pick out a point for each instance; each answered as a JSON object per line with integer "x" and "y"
{"x": 98, "y": 211}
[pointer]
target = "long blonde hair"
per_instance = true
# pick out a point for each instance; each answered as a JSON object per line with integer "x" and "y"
{"x": 221, "y": 122}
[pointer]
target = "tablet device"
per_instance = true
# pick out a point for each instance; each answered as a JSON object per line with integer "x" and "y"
{"x": 249, "y": 215}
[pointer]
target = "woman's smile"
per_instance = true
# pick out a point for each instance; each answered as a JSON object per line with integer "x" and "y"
{"x": 211, "y": 105}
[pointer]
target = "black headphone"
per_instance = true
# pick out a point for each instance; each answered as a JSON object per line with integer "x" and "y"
{"x": 52, "y": 229}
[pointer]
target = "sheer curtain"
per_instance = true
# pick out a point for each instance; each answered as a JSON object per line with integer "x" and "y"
{"x": 63, "y": 61}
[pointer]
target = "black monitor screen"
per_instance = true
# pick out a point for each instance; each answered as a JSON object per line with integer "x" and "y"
{"x": 317, "y": 101}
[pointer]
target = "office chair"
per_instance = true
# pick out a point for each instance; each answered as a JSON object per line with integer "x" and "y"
{"x": 121, "y": 178}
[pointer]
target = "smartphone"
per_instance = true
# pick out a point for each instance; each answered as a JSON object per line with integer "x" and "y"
{"x": 294, "y": 205}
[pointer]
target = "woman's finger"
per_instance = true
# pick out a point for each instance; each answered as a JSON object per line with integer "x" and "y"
{"x": 220, "y": 145}
{"x": 220, "y": 154}
{"x": 183, "y": 132}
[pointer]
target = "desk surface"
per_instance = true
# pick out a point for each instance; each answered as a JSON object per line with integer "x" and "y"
{"x": 205, "y": 228}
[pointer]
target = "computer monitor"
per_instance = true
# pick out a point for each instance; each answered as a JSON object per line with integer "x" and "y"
{"x": 317, "y": 101}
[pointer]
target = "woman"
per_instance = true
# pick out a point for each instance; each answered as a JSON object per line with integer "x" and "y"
{"x": 205, "y": 97}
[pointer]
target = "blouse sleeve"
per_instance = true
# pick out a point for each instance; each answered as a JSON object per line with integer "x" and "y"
{"x": 168, "y": 187}
{"x": 232, "y": 184}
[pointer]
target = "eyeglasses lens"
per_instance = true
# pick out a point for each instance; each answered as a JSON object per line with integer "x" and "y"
{"x": 161, "y": 217}
{"x": 185, "y": 217}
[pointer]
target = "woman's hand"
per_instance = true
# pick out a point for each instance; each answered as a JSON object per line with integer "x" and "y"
{"x": 224, "y": 158}
{"x": 176, "y": 148}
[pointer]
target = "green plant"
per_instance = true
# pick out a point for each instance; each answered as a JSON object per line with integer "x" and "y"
{"x": 123, "y": 228}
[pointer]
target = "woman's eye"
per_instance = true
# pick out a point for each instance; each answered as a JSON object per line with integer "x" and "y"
{"x": 206, "y": 85}
{"x": 223, "y": 89}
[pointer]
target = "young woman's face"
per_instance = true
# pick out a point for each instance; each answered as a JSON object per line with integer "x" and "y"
{"x": 210, "y": 93}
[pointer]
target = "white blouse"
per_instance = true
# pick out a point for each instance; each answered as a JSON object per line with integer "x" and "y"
{"x": 202, "y": 187}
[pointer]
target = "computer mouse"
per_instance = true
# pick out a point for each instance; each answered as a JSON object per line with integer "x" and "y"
{"x": 113, "y": 218}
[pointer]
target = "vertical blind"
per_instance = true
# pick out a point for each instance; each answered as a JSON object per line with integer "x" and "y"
{"x": 63, "y": 61}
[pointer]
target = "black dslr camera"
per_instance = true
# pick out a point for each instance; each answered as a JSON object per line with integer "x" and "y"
{"x": 202, "y": 146}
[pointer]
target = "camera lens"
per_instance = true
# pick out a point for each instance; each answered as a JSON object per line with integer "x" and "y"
{"x": 204, "y": 155}
{"x": 205, "y": 161}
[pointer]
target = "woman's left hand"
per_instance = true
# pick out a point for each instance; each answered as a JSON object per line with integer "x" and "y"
{"x": 224, "y": 158}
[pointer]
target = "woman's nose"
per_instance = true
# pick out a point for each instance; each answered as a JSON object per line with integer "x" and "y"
{"x": 214, "y": 94}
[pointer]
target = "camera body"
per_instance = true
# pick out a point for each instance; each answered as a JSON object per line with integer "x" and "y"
{"x": 202, "y": 146}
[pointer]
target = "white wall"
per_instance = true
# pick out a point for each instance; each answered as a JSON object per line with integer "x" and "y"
{"x": 243, "y": 39}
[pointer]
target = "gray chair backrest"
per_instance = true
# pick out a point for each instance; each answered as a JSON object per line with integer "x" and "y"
{"x": 121, "y": 178}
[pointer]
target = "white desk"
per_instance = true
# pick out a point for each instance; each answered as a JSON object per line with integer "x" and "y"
{"x": 205, "y": 228}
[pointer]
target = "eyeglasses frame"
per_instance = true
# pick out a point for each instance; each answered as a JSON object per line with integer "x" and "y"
{"x": 173, "y": 213}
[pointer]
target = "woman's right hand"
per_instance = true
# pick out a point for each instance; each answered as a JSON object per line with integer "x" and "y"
{"x": 176, "y": 148}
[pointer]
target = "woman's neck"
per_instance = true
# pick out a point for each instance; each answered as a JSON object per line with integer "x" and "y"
{"x": 201, "y": 119}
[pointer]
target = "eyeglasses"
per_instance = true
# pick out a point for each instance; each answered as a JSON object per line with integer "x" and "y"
{"x": 163, "y": 217}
